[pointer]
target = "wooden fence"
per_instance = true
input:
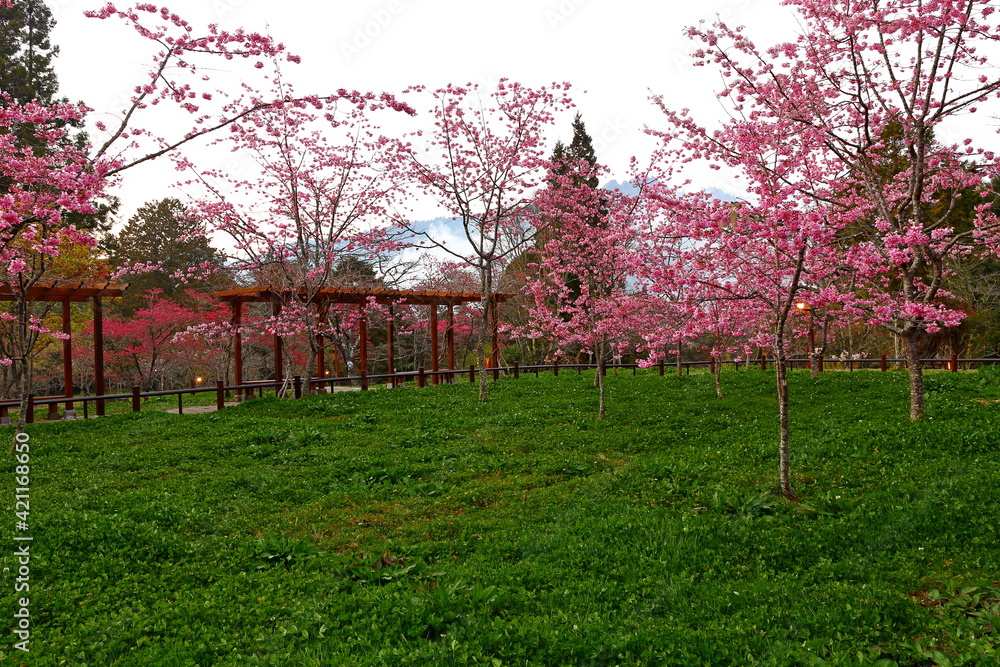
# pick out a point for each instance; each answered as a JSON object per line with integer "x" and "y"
{"x": 297, "y": 387}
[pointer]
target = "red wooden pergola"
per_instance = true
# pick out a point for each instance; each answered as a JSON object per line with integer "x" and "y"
{"x": 67, "y": 292}
{"x": 433, "y": 299}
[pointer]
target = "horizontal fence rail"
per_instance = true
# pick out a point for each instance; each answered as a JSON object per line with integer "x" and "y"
{"x": 297, "y": 386}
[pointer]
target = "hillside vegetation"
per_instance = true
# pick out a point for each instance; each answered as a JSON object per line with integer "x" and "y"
{"x": 422, "y": 527}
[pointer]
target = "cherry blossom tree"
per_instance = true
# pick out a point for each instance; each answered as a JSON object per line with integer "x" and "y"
{"x": 481, "y": 164}
{"x": 750, "y": 259}
{"x": 581, "y": 285}
{"x": 43, "y": 188}
{"x": 142, "y": 346}
{"x": 323, "y": 189}
{"x": 48, "y": 179}
{"x": 180, "y": 74}
{"x": 854, "y": 113}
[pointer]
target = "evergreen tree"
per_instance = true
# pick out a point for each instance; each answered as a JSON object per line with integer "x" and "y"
{"x": 26, "y": 53}
{"x": 570, "y": 160}
{"x": 157, "y": 234}
{"x": 567, "y": 159}
{"x": 581, "y": 147}
{"x": 27, "y": 75}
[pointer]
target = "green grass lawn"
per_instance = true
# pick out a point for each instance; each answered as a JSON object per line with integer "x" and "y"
{"x": 420, "y": 527}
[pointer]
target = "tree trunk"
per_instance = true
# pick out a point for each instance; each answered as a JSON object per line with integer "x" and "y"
{"x": 600, "y": 382}
{"x": 486, "y": 280}
{"x": 783, "y": 465}
{"x": 310, "y": 368}
{"x": 718, "y": 378}
{"x": 21, "y": 373}
{"x": 916, "y": 370}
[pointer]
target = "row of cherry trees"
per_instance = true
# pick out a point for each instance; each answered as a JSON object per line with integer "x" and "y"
{"x": 859, "y": 199}
{"x": 856, "y": 206}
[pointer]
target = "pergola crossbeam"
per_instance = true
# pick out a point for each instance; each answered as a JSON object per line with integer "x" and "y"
{"x": 67, "y": 292}
{"x": 322, "y": 298}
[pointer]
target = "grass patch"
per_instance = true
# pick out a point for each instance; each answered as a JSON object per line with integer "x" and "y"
{"x": 420, "y": 527}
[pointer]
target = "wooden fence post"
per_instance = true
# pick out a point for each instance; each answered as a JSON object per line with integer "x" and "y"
{"x": 555, "y": 368}
{"x": 472, "y": 373}
{"x": 29, "y": 417}
{"x": 135, "y": 398}
{"x": 421, "y": 378}
{"x": 954, "y": 363}
{"x": 882, "y": 363}
{"x": 819, "y": 364}
{"x": 297, "y": 386}
{"x": 364, "y": 380}
{"x": 517, "y": 371}
{"x": 220, "y": 395}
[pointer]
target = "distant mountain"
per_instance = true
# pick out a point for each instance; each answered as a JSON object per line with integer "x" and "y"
{"x": 452, "y": 225}
{"x": 627, "y": 187}
{"x": 630, "y": 189}
{"x": 721, "y": 194}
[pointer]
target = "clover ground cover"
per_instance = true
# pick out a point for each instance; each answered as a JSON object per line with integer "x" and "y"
{"x": 422, "y": 527}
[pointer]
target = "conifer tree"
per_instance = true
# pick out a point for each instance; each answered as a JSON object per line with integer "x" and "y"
{"x": 160, "y": 235}
{"x": 578, "y": 160}
{"x": 26, "y": 54}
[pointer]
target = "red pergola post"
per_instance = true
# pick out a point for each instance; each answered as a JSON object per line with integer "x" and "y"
{"x": 363, "y": 339}
{"x": 435, "y": 366}
{"x": 335, "y": 362}
{"x": 450, "y": 335}
{"x": 67, "y": 329}
{"x": 279, "y": 356}
{"x": 320, "y": 341}
{"x": 236, "y": 321}
{"x": 328, "y": 296}
{"x": 495, "y": 326}
{"x": 391, "y": 345}
{"x": 99, "y": 354}
{"x": 320, "y": 357}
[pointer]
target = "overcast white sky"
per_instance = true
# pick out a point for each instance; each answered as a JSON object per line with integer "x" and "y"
{"x": 615, "y": 53}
